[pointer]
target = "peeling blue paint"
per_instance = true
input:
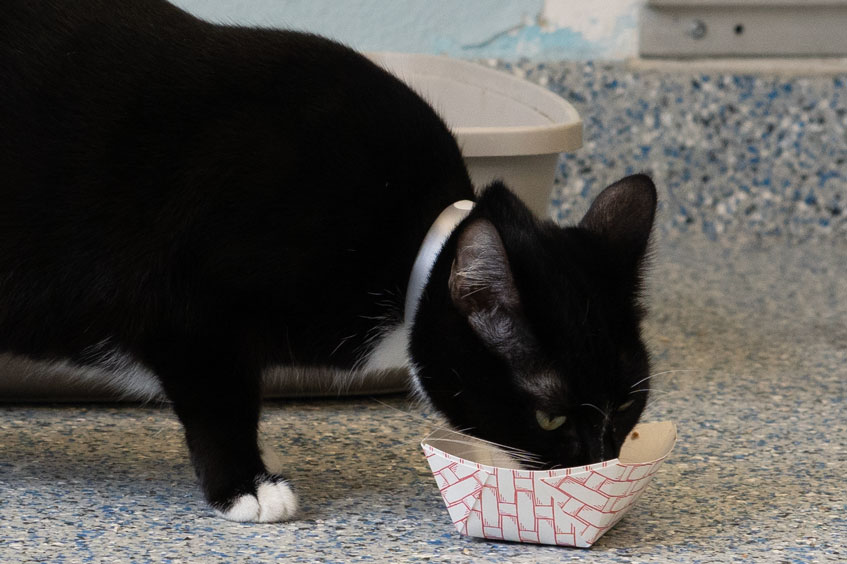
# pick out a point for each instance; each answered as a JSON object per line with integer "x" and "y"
{"x": 504, "y": 29}
{"x": 531, "y": 42}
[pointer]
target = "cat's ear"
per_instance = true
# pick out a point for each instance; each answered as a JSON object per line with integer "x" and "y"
{"x": 623, "y": 214}
{"x": 483, "y": 289}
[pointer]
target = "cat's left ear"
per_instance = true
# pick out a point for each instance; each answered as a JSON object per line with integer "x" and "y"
{"x": 483, "y": 290}
{"x": 623, "y": 214}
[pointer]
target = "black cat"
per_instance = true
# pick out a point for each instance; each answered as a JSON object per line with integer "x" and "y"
{"x": 196, "y": 202}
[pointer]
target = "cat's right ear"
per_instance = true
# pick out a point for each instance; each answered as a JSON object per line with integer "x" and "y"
{"x": 623, "y": 214}
{"x": 483, "y": 290}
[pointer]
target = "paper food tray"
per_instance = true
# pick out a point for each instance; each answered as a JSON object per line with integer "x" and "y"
{"x": 488, "y": 496}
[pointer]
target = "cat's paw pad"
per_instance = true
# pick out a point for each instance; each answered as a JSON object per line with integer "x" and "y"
{"x": 273, "y": 501}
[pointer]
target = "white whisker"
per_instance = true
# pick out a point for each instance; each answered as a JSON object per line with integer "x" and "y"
{"x": 603, "y": 413}
{"x": 514, "y": 452}
{"x": 409, "y": 413}
{"x": 525, "y": 457}
{"x": 344, "y": 340}
{"x": 665, "y": 372}
{"x": 507, "y": 448}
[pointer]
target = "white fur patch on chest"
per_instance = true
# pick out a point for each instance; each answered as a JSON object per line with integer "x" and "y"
{"x": 387, "y": 355}
{"x": 390, "y": 351}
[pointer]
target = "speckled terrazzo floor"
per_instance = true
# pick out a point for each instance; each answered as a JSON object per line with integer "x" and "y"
{"x": 748, "y": 308}
{"x": 757, "y": 156}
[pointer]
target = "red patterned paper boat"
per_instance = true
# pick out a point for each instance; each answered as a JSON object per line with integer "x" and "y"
{"x": 488, "y": 496}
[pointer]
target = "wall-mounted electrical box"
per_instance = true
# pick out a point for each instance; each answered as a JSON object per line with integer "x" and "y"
{"x": 743, "y": 28}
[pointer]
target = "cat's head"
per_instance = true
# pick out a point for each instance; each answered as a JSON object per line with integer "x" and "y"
{"x": 528, "y": 334}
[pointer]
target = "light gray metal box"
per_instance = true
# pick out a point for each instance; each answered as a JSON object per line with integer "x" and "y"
{"x": 721, "y": 28}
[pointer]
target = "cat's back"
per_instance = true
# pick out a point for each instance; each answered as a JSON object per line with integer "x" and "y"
{"x": 136, "y": 139}
{"x": 70, "y": 72}
{"x": 45, "y": 35}
{"x": 142, "y": 79}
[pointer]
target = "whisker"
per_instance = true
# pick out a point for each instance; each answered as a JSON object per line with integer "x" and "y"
{"x": 472, "y": 292}
{"x": 603, "y": 413}
{"x": 653, "y": 391}
{"x": 527, "y": 457}
{"x": 419, "y": 416}
{"x": 514, "y": 452}
{"x": 344, "y": 340}
{"x": 507, "y": 448}
{"x": 473, "y": 443}
{"x": 460, "y": 431}
{"x": 666, "y": 372}
{"x": 476, "y": 440}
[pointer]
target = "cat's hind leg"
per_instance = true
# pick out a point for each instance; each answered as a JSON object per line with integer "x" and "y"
{"x": 217, "y": 398}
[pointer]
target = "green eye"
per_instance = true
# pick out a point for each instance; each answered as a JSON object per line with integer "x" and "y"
{"x": 549, "y": 423}
{"x": 625, "y": 405}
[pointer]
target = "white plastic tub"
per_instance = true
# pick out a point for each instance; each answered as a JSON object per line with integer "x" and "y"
{"x": 508, "y": 128}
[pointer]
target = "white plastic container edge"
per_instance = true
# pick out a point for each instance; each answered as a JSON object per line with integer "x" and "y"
{"x": 508, "y": 128}
{"x": 491, "y": 113}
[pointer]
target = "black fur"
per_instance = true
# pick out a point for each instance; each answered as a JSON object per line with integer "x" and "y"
{"x": 213, "y": 200}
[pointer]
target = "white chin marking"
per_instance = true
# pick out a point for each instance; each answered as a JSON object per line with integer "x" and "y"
{"x": 390, "y": 351}
{"x": 273, "y": 502}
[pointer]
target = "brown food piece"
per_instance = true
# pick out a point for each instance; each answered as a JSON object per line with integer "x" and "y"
{"x": 635, "y": 434}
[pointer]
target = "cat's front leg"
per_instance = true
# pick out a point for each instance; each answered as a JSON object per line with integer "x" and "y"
{"x": 218, "y": 406}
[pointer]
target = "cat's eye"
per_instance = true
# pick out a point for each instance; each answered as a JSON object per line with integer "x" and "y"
{"x": 626, "y": 405}
{"x": 549, "y": 423}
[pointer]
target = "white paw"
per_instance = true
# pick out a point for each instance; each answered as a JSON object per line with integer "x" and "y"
{"x": 273, "y": 502}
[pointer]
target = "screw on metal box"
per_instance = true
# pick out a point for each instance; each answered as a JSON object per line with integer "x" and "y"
{"x": 697, "y": 29}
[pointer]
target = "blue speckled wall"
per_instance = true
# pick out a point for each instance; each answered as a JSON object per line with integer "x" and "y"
{"x": 504, "y": 29}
